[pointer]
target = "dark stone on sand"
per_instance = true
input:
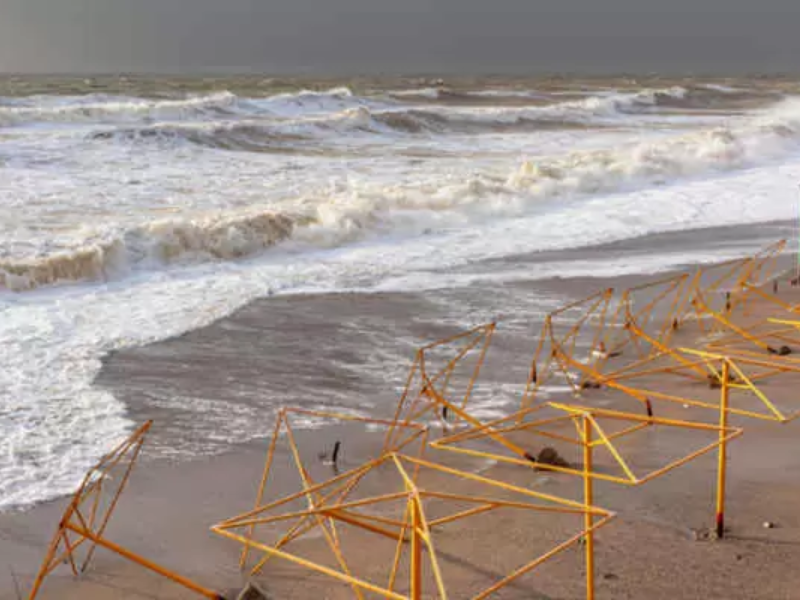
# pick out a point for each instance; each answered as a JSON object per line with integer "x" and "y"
{"x": 715, "y": 382}
{"x": 252, "y": 592}
{"x": 782, "y": 351}
{"x": 590, "y": 385}
{"x": 550, "y": 456}
{"x": 610, "y": 576}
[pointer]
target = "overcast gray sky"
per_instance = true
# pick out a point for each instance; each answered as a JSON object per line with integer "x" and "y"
{"x": 369, "y": 36}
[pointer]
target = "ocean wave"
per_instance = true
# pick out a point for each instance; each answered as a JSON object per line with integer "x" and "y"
{"x": 499, "y": 105}
{"x": 716, "y": 97}
{"x": 622, "y": 99}
{"x": 295, "y": 134}
{"x": 246, "y": 136}
{"x": 695, "y": 96}
{"x": 153, "y": 245}
{"x": 257, "y": 133}
{"x": 252, "y": 133}
{"x": 764, "y": 137}
{"x": 113, "y": 110}
{"x": 470, "y": 97}
{"x": 310, "y": 102}
{"x": 342, "y": 215}
{"x": 98, "y": 108}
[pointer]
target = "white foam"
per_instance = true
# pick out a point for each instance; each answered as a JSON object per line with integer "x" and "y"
{"x": 51, "y": 342}
{"x": 309, "y": 102}
{"x": 369, "y": 223}
{"x": 357, "y": 211}
{"x": 428, "y": 92}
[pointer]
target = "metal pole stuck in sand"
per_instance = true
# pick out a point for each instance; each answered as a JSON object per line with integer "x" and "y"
{"x": 416, "y": 550}
{"x": 588, "y": 498}
{"x": 722, "y": 454}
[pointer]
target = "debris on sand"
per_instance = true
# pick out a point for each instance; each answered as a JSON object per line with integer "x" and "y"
{"x": 549, "y": 456}
{"x": 252, "y": 592}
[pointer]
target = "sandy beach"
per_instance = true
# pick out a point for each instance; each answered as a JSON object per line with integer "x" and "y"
{"x": 315, "y": 351}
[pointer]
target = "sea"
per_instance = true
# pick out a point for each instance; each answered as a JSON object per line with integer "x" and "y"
{"x": 134, "y": 209}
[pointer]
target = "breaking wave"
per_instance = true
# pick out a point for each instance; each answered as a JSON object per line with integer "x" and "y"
{"x": 716, "y": 97}
{"x": 432, "y": 104}
{"x": 337, "y": 217}
{"x": 603, "y": 104}
{"x": 257, "y": 135}
{"x": 471, "y": 97}
{"x": 757, "y": 141}
{"x": 111, "y": 109}
{"x": 155, "y": 244}
{"x": 308, "y": 101}
{"x": 699, "y": 96}
{"x": 254, "y": 134}
{"x": 90, "y": 109}
{"x": 224, "y": 136}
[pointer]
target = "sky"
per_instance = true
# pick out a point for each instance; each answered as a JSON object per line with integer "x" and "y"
{"x": 400, "y": 36}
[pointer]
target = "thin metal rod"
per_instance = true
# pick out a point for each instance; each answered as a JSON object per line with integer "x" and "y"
{"x": 416, "y": 550}
{"x": 263, "y": 485}
{"x": 101, "y": 530}
{"x": 722, "y": 452}
{"x": 588, "y": 500}
{"x": 139, "y": 560}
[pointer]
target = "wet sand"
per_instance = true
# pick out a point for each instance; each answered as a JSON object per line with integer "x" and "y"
{"x": 244, "y": 366}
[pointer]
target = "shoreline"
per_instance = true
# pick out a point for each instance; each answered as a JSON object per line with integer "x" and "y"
{"x": 163, "y": 489}
{"x": 247, "y": 364}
